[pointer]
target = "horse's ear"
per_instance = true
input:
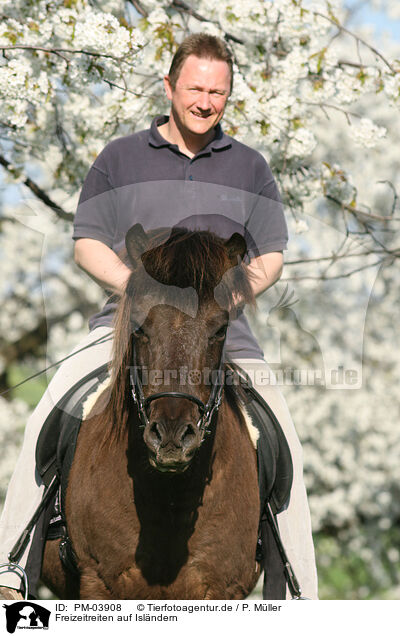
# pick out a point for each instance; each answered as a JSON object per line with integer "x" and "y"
{"x": 136, "y": 242}
{"x": 236, "y": 246}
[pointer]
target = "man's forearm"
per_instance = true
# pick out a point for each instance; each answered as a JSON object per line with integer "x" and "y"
{"x": 264, "y": 271}
{"x": 102, "y": 265}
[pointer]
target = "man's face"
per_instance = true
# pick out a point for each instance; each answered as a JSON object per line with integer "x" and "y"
{"x": 200, "y": 95}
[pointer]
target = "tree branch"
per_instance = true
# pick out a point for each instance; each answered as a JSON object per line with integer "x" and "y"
{"x": 323, "y": 105}
{"x": 182, "y": 7}
{"x": 59, "y": 51}
{"x": 138, "y": 8}
{"x": 356, "y": 212}
{"x": 357, "y": 38}
{"x": 338, "y": 276}
{"x": 37, "y": 191}
{"x": 335, "y": 257}
{"x": 31, "y": 341}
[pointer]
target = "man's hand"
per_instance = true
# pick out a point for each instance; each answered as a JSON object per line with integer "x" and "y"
{"x": 102, "y": 264}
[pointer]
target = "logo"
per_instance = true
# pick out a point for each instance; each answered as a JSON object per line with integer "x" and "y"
{"x": 26, "y": 615}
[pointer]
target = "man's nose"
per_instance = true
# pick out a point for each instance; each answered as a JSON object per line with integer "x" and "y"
{"x": 204, "y": 101}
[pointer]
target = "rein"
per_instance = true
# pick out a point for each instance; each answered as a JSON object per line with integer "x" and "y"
{"x": 207, "y": 411}
{"x": 102, "y": 339}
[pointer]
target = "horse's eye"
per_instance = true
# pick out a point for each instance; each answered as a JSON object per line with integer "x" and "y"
{"x": 220, "y": 334}
{"x": 140, "y": 334}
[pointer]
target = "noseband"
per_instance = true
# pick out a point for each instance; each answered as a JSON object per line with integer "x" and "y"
{"x": 207, "y": 411}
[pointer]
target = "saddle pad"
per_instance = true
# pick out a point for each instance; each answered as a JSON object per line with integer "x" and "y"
{"x": 55, "y": 436}
{"x": 275, "y": 467}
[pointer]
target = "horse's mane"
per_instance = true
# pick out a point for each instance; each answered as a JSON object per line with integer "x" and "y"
{"x": 188, "y": 259}
{"x": 181, "y": 259}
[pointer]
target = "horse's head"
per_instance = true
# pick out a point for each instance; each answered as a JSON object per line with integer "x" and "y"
{"x": 176, "y": 353}
{"x": 181, "y": 294}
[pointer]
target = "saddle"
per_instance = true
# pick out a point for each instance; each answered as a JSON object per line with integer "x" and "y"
{"x": 55, "y": 452}
{"x": 275, "y": 468}
{"x": 55, "y": 447}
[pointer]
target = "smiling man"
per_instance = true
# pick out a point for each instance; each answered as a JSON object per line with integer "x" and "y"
{"x": 198, "y": 90}
{"x": 184, "y": 170}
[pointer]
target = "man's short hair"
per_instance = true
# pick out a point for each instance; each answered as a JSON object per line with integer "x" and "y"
{"x": 203, "y": 46}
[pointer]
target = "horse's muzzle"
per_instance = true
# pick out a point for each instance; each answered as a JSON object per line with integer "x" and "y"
{"x": 171, "y": 443}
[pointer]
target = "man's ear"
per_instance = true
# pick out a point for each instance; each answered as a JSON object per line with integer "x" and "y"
{"x": 236, "y": 247}
{"x": 168, "y": 87}
{"x": 136, "y": 241}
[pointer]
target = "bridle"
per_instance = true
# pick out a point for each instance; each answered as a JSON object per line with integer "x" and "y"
{"x": 207, "y": 411}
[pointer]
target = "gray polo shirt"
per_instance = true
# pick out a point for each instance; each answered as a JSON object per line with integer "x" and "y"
{"x": 226, "y": 187}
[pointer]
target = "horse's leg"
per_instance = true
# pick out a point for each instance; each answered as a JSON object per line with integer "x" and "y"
{"x": 209, "y": 589}
{"x": 54, "y": 575}
{"x": 92, "y": 586}
{"x": 66, "y": 586}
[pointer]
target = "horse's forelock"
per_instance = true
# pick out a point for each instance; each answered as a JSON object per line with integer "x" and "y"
{"x": 195, "y": 259}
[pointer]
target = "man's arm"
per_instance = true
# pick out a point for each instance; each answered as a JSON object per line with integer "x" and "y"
{"x": 264, "y": 271}
{"x": 102, "y": 264}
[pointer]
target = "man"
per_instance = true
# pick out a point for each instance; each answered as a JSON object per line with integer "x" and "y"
{"x": 184, "y": 170}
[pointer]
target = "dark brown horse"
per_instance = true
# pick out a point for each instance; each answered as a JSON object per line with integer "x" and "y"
{"x": 162, "y": 500}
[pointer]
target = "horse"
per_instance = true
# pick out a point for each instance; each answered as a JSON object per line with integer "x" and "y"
{"x": 162, "y": 499}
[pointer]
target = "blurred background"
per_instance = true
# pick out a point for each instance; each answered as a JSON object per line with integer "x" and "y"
{"x": 316, "y": 91}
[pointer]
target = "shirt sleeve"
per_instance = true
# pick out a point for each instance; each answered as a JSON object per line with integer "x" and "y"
{"x": 95, "y": 216}
{"x": 266, "y": 223}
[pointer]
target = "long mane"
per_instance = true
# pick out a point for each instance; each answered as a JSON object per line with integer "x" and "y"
{"x": 196, "y": 259}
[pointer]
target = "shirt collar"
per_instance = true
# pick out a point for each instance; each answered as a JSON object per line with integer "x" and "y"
{"x": 220, "y": 141}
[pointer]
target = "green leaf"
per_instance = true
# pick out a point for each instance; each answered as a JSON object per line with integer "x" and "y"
{"x": 264, "y": 126}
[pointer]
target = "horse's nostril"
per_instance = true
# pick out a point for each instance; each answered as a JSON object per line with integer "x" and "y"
{"x": 156, "y": 431}
{"x": 189, "y": 435}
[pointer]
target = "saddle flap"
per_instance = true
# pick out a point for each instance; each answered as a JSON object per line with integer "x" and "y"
{"x": 275, "y": 467}
{"x": 55, "y": 436}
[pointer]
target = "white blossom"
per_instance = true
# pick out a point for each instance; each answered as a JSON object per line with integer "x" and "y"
{"x": 365, "y": 133}
{"x": 301, "y": 226}
{"x": 301, "y": 143}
